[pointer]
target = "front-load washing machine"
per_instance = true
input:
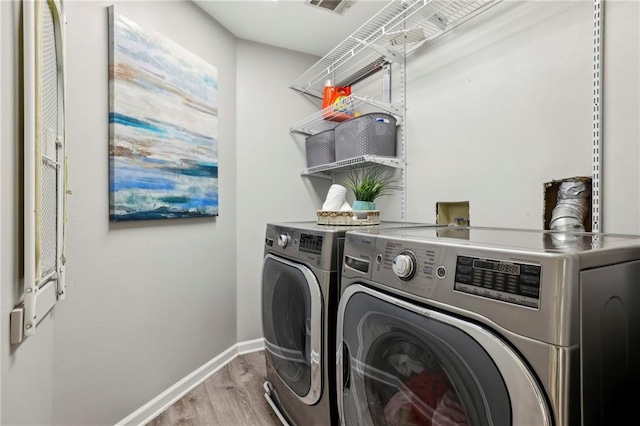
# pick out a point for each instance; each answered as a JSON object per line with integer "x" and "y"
{"x": 486, "y": 326}
{"x": 300, "y": 279}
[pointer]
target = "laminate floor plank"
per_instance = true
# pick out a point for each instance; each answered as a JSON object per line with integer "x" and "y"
{"x": 247, "y": 376}
{"x": 230, "y": 399}
{"x": 195, "y": 409}
{"x": 257, "y": 362}
{"x": 232, "y": 396}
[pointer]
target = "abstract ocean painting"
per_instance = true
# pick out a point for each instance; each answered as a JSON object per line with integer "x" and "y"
{"x": 163, "y": 121}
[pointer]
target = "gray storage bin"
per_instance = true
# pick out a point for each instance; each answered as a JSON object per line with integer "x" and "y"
{"x": 321, "y": 148}
{"x": 369, "y": 134}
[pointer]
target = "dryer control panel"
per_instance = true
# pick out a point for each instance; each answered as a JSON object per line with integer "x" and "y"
{"x": 512, "y": 282}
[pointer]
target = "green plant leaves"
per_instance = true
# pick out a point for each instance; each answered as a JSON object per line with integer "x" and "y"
{"x": 370, "y": 183}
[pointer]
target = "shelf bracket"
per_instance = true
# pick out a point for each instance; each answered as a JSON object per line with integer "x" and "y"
{"x": 387, "y": 106}
{"x": 323, "y": 175}
{"x": 386, "y": 83}
{"x": 25, "y": 318}
{"x": 439, "y": 21}
{"x": 389, "y": 55}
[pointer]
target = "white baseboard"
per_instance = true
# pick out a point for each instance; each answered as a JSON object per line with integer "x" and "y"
{"x": 157, "y": 405}
{"x": 250, "y": 346}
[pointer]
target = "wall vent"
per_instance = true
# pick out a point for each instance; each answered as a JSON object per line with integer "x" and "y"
{"x": 336, "y": 6}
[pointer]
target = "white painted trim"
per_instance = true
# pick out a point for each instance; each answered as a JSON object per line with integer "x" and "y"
{"x": 250, "y": 346}
{"x": 2, "y": 138}
{"x": 157, "y": 405}
{"x": 2, "y": 195}
{"x": 29, "y": 95}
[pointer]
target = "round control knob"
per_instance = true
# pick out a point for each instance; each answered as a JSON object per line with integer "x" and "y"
{"x": 404, "y": 265}
{"x": 283, "y": 240}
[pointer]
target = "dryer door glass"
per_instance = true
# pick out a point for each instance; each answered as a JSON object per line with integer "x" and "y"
{"x": 401, "y": 367}
{"x": 286, "y": 322}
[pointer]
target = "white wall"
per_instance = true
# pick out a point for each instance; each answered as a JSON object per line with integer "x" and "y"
{"x": 503, "y": 104}
{"x": 498, "y": 107}
{"x": 27, "y": 370}
{"x": 1, "y": 240}
{"x": 148, "y": 302}
{"x": 270, "y": 188}
{"x": 621, "y": 128}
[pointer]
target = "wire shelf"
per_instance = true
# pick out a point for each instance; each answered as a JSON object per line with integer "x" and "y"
{"x": 328, "y": 118}
{"x": 397, "y": 30}
{"x": 351, "y": 163}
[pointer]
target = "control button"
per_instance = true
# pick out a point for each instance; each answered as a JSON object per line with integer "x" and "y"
{"x": 531, "y": 270}
{"x": 529, "y": 291}
{"x": 465, "y": 269}
{"x": 511, "y": 289}
{"x": 528, "y": 279}
{"x": 283, "y": 240}
{"x": 465, "y": 260}
{"x": 441, "y": 272}
{"x": 464, "y": 279}
{"x": 404, "y": 265}
{"x": 379, "y": 259}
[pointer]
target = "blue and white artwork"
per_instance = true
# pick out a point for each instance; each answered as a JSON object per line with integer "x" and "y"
{"x": 163, "y": 120}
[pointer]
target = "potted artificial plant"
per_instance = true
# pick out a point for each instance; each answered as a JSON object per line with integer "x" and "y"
{"x": 368, "y": 184}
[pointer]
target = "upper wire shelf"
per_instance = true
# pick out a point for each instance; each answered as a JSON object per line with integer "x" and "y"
{"x": 397, "y": 30}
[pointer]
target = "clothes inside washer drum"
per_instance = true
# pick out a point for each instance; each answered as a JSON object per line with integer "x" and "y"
{"x": 418, "y": 401}
{"x": 449, "y": 411}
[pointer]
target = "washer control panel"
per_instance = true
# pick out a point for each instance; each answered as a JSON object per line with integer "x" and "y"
{"x": 512, "y": 282}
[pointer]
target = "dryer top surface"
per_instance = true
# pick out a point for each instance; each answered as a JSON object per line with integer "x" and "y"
{"x": 517, "y": 239}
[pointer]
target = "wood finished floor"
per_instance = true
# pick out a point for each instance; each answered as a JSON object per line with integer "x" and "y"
{"x": 232, "y": 396}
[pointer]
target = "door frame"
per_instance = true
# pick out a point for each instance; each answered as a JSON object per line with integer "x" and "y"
{"x": 529, "y": 407}
{"x": 317, "y": 312}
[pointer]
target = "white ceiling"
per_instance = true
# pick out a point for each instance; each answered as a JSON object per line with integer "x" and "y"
{"x": 290, "y": 24}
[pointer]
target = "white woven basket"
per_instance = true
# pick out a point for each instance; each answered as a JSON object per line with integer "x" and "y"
{"x": 368, "y": 217}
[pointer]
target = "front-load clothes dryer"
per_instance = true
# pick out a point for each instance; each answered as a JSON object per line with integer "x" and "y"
{"x": 487, "y": 326}
{"x": 300, "y": 289}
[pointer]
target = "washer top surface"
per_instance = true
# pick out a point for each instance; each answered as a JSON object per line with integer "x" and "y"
{"x": 517, "y": 239}
{"x": 341, "y": 229}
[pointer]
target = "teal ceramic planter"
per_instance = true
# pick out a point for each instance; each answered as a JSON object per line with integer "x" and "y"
{"x": 363, "y": 205}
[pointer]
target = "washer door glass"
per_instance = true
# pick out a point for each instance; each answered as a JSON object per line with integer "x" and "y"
{"x": 287, "y": 321}
{"x": 404, "y": 368}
